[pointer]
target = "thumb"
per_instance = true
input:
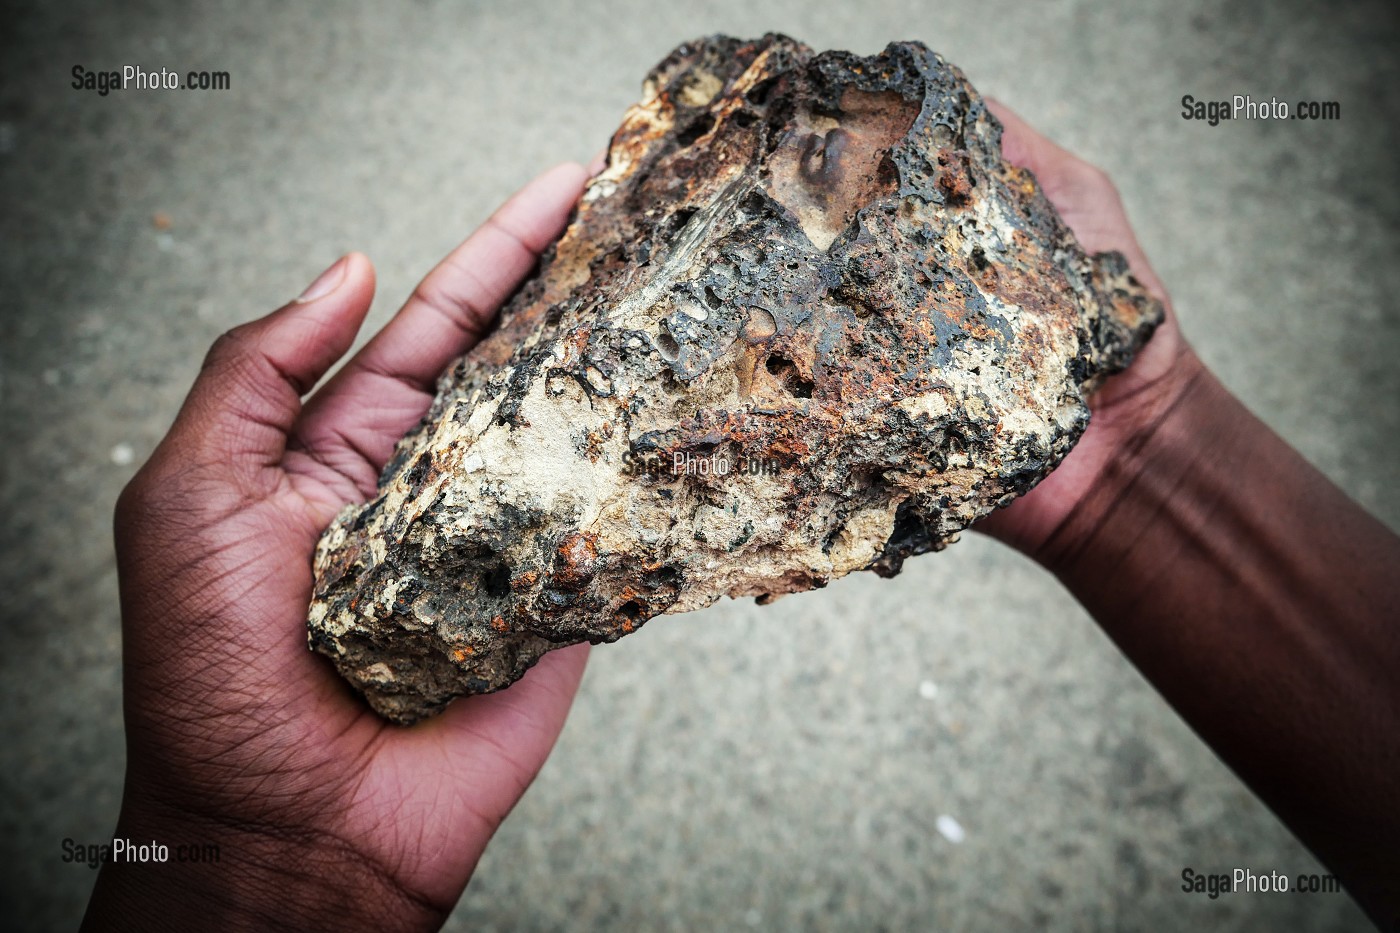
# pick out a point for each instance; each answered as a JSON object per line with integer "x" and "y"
{"x": 248, "y": 392}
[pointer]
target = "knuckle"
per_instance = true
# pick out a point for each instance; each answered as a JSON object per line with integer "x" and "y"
{"x": 168, "y": 484}
{"x": 142, "y": 512}
{"x": 462, "y": 312}
{"x": 132, "y": 503}
{"x": 236, "y": 363}
{"x": 144, "y": 496}
{"x": 229, "y": 347}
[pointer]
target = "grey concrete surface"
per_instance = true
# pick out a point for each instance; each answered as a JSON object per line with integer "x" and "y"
{"x": 798, "y": 782}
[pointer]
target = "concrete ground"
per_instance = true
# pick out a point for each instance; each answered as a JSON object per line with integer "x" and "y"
{"x": 802, "y": 781}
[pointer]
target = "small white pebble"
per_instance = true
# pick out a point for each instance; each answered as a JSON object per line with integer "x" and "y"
{"x": 472, "y": 463}
{"x": 122, "y": 454}
{"x": 928, "y": 689}
{"x": 951, "y": 829}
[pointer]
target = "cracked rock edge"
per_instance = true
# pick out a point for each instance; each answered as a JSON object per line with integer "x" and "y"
{"x": 812, "y": 269}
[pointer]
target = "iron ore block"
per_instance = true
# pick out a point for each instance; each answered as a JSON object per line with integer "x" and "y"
{"x": 807, "y": 321}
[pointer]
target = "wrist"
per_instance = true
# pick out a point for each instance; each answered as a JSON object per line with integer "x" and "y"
{"x": 1129, "y": 413}
{"x": 219, "y": 875}
{"x": 1258, "y": 600}
{"x": 1156, "y": 439}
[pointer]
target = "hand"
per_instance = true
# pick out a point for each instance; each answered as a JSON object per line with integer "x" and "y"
{"x": 236, "y": 732}
{"x": 1127, "y": 407}
{"x": 1251, "y": 592}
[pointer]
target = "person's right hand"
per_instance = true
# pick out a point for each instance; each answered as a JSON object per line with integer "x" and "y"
{"x": 1128, "y": 406}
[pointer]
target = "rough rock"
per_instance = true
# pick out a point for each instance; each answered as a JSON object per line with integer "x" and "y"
{"x": 806, "y": 322}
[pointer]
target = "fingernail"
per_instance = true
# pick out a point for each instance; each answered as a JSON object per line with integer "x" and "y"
{"x": 325, "y": 283}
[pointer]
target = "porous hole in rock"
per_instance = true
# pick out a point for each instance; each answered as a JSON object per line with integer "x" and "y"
{"x": 697, "y": 128}
{"x": 495, "y": 579}
{"x": 760, "y": 325}
{"x": 788, "y": 374}
{"x": 758, "y": 95}
{"x": 678, "y": 221}
{"x": 667, "y": 346}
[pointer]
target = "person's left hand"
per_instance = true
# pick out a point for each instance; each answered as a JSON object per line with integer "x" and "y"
{"x": 238, "y": 734}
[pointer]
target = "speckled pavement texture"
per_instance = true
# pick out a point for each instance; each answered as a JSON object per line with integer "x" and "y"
{"x": 959, "y": 748}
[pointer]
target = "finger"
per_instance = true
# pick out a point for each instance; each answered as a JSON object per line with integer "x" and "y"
{"x": 248, "y": 392}
{"x": 456, "y": 303}
{"x": 356, "y": 419}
